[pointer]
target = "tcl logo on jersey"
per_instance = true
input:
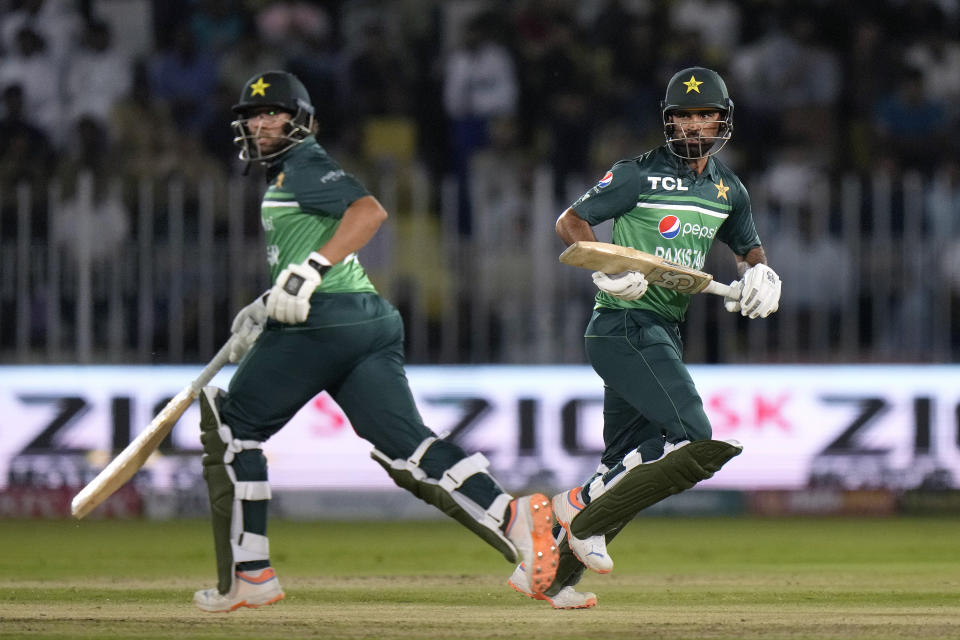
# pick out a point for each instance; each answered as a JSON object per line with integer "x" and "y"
{"x": 669, "y": 227}
{"x": 667, "y": 182}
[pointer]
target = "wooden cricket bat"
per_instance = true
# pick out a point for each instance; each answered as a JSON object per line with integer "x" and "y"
{"x": 133, "y": 457}
{"x": 612, "y": 258}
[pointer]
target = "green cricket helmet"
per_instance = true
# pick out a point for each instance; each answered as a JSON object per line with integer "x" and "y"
{"x": 277, "y": 90}
{"x": 696, "y": 89}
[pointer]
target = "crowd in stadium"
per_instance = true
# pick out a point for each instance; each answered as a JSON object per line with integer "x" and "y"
{"x": 145, "y": 87}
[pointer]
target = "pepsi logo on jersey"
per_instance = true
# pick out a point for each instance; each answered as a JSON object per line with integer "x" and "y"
{"x": 669, "y": 227}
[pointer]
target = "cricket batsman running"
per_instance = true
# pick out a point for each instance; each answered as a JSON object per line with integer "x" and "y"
{"x": 673, "y": 201}
{"x": 322, "y": 326}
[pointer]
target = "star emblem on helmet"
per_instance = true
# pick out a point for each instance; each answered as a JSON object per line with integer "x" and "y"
{"x": 692, "y": 84}
{"x": 721, "y": 189}
{"x": 259, "y": 88}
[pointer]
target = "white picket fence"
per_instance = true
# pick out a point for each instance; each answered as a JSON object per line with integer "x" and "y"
{"x": 153, "y": 273}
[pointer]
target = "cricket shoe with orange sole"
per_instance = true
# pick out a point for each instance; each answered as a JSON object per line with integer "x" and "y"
{"x": 530, "y": 529}
{"x": 592, "y": 551}
{"x": 250, "y": 589}
{"x": 567, "y": 598}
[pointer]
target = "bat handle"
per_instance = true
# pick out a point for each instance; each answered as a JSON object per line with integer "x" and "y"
{"x": 725, "y": 290}
{"x": 212, "y": 368}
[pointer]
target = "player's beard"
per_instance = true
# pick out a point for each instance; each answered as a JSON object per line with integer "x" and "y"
{"x": 693, "y": 147}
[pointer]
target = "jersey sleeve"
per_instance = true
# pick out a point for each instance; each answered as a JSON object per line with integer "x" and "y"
{"x": 738, "y": 231}
{"x": 323, "y": 187}
{"x": 614, "y": 195}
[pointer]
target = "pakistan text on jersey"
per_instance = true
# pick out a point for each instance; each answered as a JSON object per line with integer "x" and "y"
{"x": 692, "y": 258}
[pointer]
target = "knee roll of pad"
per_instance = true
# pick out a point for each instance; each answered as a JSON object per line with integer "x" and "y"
{"x": 228, "y": 489}
{"x": 442, "y": 493}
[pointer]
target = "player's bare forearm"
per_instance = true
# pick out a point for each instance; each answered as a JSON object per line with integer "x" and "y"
{"x": 359, "y": 223}
{"x": 572, "y": 228}
{"x": 755, "y": 256}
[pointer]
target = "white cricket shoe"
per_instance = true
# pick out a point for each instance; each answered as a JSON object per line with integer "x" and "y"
{"x": 568, "y": 598}
{"x": 530, "y": 529}
{"x": 592, "y": 551}
{"x": 250, "y": 589}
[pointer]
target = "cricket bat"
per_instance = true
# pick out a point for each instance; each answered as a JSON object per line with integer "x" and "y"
{"x": 612, "y": 258}
{"x": 133, "y": 457}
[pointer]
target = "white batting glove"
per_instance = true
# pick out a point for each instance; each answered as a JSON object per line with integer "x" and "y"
{"x": 289, "y": 300}
{"x": 247, "y": 327}
{"x": 629, "y": 285}
{"x": 760, "y": 293}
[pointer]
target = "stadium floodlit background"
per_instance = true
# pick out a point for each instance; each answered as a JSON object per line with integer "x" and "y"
{"x": 129, "y": 235}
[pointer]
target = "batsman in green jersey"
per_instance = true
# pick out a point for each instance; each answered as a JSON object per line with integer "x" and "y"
{"x": 323, "y": 327}
{"x": 673, "y": 202}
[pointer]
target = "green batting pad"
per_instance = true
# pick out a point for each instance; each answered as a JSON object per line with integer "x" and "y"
{"x": 433, "y": 494}
{"x": 220, "y": 489}
{"x": 649, "y": 483}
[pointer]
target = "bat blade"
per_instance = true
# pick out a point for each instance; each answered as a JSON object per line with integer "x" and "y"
{"x": 132, "y": 458}
{"x": 135, "y": 455}
{"x": 612, "y": 258}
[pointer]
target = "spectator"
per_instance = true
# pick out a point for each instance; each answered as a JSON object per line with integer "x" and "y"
{"x": 142, "y": 130}
{"x": 867, "y": 64}
{"x": 26, "y": 153}
{"x": 909, "y": 125}
{"x": 217, "y": 25}
{"x": 249, "y": 52}
{"x": 480, "y": 85}
{"x": 791, "y": 86}
{"x": 379, "y": 81}
{"x": 937, "y": 55}
{"x": 291, "y": 25}
{"x": 92, "y": 221}
{"x": 185, "y": 77}
{"x": 31, "y": 66}
{"x": 716, "y": 21}
{"x": 55, "y": 21}
{"x": 97, "y": 76}
{"x": 564, "y": 87}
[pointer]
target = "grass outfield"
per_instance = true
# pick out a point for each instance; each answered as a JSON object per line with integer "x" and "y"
{"x": 675, "y": 578}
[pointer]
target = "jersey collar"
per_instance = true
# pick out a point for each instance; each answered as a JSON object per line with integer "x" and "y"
{"x": 275, "y": 166}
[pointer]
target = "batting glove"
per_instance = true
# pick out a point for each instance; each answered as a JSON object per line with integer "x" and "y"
{"x": 629, "y": 285}
{"x": 247, "y": 327}
{"x": 289, "y": 300}
{"x": 760, "y": 295}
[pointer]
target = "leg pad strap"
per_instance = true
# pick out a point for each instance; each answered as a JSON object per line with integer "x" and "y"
{"x": 442, "y": 494}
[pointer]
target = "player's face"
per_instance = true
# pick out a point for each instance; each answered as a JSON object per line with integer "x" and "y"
{"x": 268, "y": 126}
{"x": 696, "y": 130}
{"x": 695, "y": 125}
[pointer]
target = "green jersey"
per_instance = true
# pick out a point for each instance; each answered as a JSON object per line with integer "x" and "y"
{"x": 660, "y": 206}
{"x": 307, "y": 197}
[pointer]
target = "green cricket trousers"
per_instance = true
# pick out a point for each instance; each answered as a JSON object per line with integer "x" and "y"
{"x": 352, "y": 347}
{"x": 649, "y": 396}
